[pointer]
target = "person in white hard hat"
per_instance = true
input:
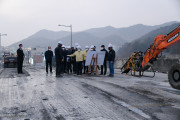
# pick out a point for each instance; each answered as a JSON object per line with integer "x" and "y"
{"x": 76, "y": 45}
{"x": 59, "y": 58}
{"x": 63, "y": 47}
{"x": 111, "y": 59}
{"x": 79, "y": 59}
{"x": 92, "y": 48}
{"x": 84, "y": 59}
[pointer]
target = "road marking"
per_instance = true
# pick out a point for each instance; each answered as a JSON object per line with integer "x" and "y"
{"x": 150, "y": 105}
{"x": 134, "y": 109}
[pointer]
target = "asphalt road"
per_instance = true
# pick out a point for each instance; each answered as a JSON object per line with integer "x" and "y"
{"x": 37, "y": 96}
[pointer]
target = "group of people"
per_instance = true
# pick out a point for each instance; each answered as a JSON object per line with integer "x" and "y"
{"x": 72, "y": 60}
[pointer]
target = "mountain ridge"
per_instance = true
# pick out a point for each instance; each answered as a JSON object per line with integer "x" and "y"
{"x": 96, "y": 36}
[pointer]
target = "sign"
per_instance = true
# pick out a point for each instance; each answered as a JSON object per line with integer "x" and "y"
{"x": 38, "y": 58}
{"x": 100, "y": 60}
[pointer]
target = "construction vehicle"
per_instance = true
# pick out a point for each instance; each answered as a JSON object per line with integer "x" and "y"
{"x": 139, "y": 62}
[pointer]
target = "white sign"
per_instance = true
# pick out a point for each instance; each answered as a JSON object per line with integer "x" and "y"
{"x": 100, "y": 60}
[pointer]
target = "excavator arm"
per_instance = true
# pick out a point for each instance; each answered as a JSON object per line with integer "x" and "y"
{"x": 161, "y": 42}
{"x": 139, "y": 62}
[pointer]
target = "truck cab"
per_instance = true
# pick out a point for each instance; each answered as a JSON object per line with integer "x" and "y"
{"x": 10, "y": 60}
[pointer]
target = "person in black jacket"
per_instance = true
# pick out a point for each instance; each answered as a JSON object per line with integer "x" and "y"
{"x": 59, "y": 58}
{"x": 104, "y": 66}
{"x": 65, "y": 59}
{"x": 20, "y": 59}
{"x": 48, "y": 57}
{"x": 68, "y": 60}
{"x": 111, "y": 59}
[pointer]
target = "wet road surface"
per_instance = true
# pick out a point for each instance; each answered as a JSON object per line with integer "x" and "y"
{"x": 37, "y": 96}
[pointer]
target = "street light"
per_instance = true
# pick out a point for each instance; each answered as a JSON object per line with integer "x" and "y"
{"x": 0, "y": 38}
{"x": 70, "y": 29}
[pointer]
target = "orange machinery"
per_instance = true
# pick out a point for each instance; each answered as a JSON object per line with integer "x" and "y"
{"x": 139, "y": 62}
{"x": 161, "y": 42}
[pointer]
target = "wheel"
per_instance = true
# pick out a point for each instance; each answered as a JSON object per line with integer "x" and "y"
{"x": 174, "y": 76}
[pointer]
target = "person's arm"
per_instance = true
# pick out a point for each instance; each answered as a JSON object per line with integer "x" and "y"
{"x": 23, "y": 54}
{"x": 72, "y": 55}
{"x": 106, "y": 55}
{"x": 83, "y": 55}
{"x": 113, "y": 56}
{"x": 45, "y": 54}
{"x": 17, "y": 53}
{"x": 61, "y": 54}
{"x": 52, "y": 53}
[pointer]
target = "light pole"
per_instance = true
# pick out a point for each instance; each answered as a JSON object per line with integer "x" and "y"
{"x": 70, "y": 30}
{"x": 0, "y": 38}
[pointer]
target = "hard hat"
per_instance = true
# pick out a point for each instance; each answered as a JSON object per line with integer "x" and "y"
{"x": 63, "y": 46}
{"x": 68, "y": 47}
{"x": 110, "y": 45}
{"x": 86, "y": 47}
{"x": 78, "y": 47}
{"x": 76, "y": 44}
{"x": 92, "y": 46}
{"x": 60, "y": 42}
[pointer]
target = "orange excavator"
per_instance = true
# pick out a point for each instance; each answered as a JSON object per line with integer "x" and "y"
{"x": 141, "y": 63}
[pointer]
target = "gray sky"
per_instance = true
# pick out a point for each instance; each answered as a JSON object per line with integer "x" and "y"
{"x": 21, "y": 18}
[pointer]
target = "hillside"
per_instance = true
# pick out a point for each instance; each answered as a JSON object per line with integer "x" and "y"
{"x": 84, "y": 39}
{"x": 143, "y": 43}
{"x": 128, "y": 33}
{"x": 95, "y": 36}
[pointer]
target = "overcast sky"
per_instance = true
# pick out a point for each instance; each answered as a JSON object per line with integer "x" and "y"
{"x": 22, "y": 18}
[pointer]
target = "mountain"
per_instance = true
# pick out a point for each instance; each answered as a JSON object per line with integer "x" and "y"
{"x": 143, "y": 43}
{"x": 95, "y": 36}
{"x": 50, "y": 34}
{"x": 84, "y": 38}
{"x": 41, "y": 38}
{"x": 128, "y": 33}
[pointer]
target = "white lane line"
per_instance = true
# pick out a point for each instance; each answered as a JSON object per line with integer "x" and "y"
{"x": 134, "y": 109}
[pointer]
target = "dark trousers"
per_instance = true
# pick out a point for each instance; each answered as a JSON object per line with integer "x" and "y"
{"x": 65, "y": 66}
{"x": 62, "y": 67}
{"x": 48, "y": 63}
{"x": 85, "y": 67}
{"x": 58, "y": 67}
{"x": 74, "y": 66}
{"x": 69, "y": 68}
{"x": 79, "y": 68}
{"x": 104, "y": 67}
{"x": 19, "y": 66}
